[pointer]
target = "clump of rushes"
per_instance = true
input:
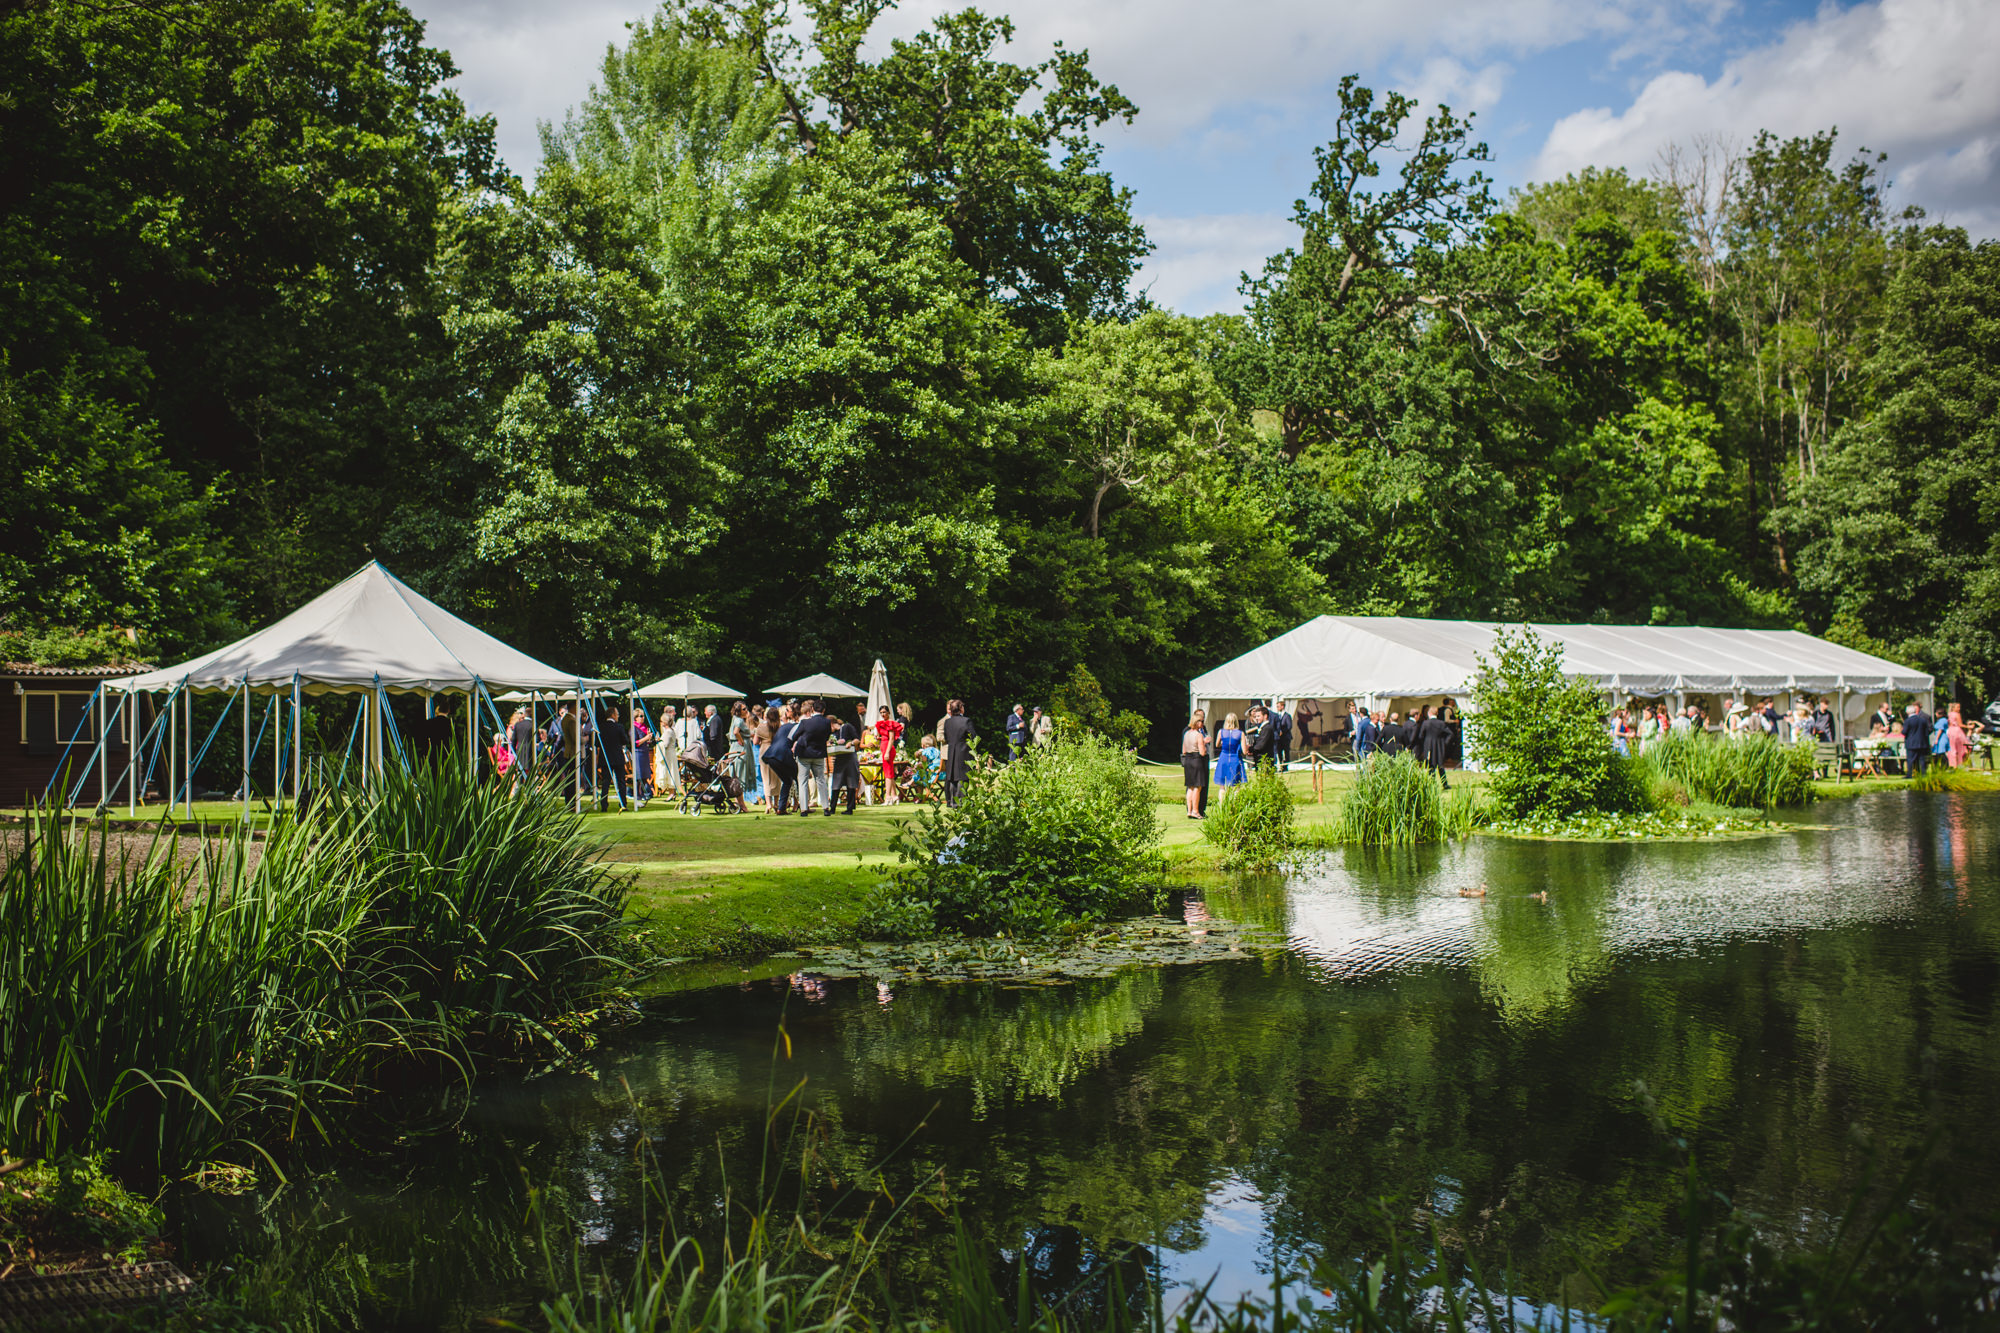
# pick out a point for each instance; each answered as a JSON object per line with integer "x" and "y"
{"x": 1749, "y": 773}
{"x": 1397, "y": 802}
{"x": 1253, "y": 824}
{"x": 492, "y": 912}
{"x": 172, "y": 1010}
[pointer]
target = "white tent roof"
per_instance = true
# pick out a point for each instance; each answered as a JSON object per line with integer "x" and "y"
{"x": 1339, "y": 657}
{"x": 687, "y": 685}
{"x": 821, "y": 686}
{"x": 369, "y": 630}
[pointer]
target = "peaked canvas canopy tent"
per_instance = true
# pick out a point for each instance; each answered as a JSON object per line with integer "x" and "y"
{"x": 369, "y": 631}
{"x": 371, "y": 635}
{"x": 1381, "y": 658}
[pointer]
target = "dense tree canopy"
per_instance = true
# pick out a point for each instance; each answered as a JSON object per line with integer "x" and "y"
{"x": 802, "y": 351}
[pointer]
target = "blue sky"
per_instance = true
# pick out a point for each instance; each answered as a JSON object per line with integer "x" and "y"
{"x": 1234, "y": 97}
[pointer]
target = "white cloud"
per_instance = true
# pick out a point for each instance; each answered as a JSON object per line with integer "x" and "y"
{"x": 1912, "y": 78}
{"x": 1448, "y": 81}
{"x": 1184, "y": 60}
{"x": 1198, "y": 262}
{"x": 525, "y": 61}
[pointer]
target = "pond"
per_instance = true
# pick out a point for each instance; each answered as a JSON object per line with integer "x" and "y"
{"x": 1519, "y": 1065}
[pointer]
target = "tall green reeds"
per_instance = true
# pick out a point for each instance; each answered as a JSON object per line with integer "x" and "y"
{"x": 482, "y": 904}
{"x": 1750, "y": 772}
{"x": 167, "y": 1007}
{"x": 151, "y": 1006}
{"x": 1397, "y": 802}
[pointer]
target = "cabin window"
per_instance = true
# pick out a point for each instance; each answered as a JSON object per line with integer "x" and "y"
{"x": 49, "y": 718}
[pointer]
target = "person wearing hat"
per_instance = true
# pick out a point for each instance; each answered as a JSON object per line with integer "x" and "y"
{"x": 1041, "y": 726}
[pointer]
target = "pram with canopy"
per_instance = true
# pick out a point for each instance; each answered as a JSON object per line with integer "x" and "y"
{"x": 703, "y": 784}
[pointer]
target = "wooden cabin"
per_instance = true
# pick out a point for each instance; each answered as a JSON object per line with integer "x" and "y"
{"x": 47, "y": 724}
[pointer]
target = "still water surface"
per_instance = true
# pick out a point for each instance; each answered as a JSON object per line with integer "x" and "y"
{"x": 1519, "y": 1066}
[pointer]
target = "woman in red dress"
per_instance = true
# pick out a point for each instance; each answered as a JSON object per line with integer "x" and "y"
{"x": 887, "y": 732}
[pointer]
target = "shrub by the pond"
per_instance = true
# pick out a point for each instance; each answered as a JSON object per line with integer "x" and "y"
{"x": 1397, "y": 802}
{"x": 1754, "y": 772}
{"x": 1540, "y": 734}
{"x": 169, "y": 1010}
{"x": 1253, "y": 824}
{"x": 1065, "y": 835}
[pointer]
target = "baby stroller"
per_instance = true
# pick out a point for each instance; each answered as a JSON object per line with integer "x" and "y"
{"x": 703, "y": 784}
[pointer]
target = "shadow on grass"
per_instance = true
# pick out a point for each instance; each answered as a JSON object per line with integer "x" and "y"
{"x": 751, "y": 911}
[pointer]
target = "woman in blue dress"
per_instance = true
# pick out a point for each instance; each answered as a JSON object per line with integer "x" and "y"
{"x": 1229, "y": 754}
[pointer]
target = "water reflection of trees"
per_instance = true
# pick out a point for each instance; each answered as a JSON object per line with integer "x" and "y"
{"x": 1070, "y": 1123}
{"x": 1028, "y": 1041}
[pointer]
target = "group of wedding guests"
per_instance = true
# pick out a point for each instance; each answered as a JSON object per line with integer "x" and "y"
{"x": 1947, "y": 737}
{"x": 1434, "y": 734}
{"x": 784, "y": 757}
{"x": 1234, "y": 749}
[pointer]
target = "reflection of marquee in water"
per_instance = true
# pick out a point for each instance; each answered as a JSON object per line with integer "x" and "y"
{"x": 1892, "y": 856}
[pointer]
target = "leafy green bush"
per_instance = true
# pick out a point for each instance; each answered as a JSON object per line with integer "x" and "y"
{"x": 1064, "y": 836}
{"x": 1079, "y": 702}
{"x": 1253, "y": 823}
{"x": 1753, "y": 772}
{"x": 1397, "y": 802}
{"x": 1540, "y": 735}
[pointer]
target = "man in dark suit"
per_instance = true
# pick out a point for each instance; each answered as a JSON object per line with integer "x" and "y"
{"x": 1884, "y": 717}
{"x": 1259, "y": 738}
{"x": 1917, "y": 739}
{"x": 1434, "y": 743}
{"x": 956, "y": 734}
{"x": 810, "y": 739}
{"x": 1281, "y": 735}
{"x": 614, "y": 742}
{"x": 1363, "y": 729}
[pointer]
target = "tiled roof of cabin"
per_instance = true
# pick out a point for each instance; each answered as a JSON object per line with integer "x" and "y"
{"x": 81, "y": 673}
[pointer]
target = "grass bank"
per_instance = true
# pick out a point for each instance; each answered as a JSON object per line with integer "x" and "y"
{"x": 731, "y": 886}
{"x": 726, "y": 886}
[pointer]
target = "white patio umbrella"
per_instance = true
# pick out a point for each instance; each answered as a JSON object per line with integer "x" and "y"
{"x": 687, "y": 685}
{"x": 821, "y": 686}
{"x": 878, "y": 699}
{"x": 878, "y": 691}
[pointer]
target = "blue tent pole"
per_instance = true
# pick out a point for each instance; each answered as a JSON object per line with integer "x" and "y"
{"x": 72, "y": 793}
{"x": 159, "y": 734}
{"x": 103, "y": 732}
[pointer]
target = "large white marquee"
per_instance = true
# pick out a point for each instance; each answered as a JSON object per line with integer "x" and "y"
{"x": 1399, "y": 657}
